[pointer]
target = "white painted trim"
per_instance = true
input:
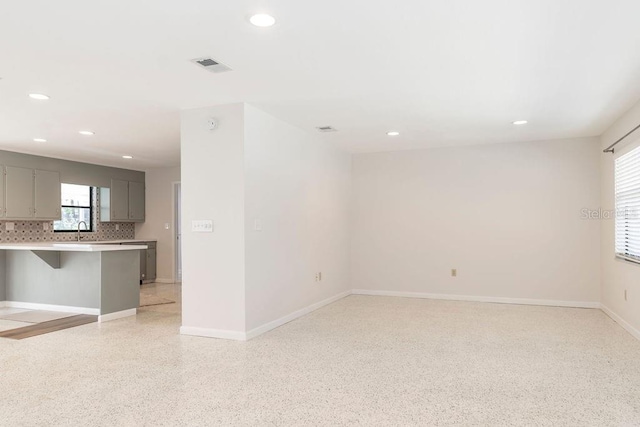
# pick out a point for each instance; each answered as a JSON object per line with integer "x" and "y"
{"x": 500, "y": 300}
{"x": 213, "y": 333}
{"x": 50, "y": 307}
{"x": 244, "y": 336}
{"x": 175, "y": 187}
{"x": 620, "y": 321}
{"x": 160, "y": 280}
{"x": 292, "y": 316}
{"x": 117, "y": 315}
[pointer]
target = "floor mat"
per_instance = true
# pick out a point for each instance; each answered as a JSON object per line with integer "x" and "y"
{"x": 6, "y": 325}
{"x": 36, "y": 316}
{"x": 47, "y": 327}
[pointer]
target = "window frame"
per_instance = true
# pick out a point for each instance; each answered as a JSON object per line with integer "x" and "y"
{"x": 90, "y": 207}
{"x": 619, "y": 154}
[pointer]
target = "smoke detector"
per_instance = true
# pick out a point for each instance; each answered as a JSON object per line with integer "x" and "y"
{"x": 326, "y": 129}
{"x": 210, "y": 64}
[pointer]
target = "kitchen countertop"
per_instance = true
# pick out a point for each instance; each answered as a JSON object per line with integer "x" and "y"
{"x": 115, "y": 242}
{"x": 71, "y": 247}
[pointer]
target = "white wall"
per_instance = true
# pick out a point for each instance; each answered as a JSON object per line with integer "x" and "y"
{"x": 298, "y": 188}
{"x": 507, "y": 216}
{"x": 237, "y": 280}
{"x": 618, "y": 275}
{"x": 160, "y": 211}
{"x": 213, "y": 188}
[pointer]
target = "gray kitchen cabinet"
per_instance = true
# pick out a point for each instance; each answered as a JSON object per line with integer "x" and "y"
{"x": 1, "y": 191}
{"x": 148, "y": 261}
{"x": 18, "y": 193}
{"x": 119, "y": 200}
{"x": 151, "y": 264}
{"x": 47, "y": 195}
{"x": 123, "y": 202}
{"x": 136, "y": 201}
{"x": 31, "y": 194}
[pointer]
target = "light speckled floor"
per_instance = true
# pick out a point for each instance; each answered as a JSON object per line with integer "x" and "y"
{"x": 360, "y": 361}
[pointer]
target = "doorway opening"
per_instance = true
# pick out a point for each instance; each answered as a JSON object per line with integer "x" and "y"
{"x": 177, "y": 230}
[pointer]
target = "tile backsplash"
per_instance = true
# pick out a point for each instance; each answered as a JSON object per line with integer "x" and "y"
{"x": 33, "y": 231}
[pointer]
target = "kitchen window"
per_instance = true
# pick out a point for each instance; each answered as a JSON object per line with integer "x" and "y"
{"x": 76, "y": 207}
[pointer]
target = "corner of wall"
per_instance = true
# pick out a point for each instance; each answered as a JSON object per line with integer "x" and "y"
{"x": 618, "y": 276}
{"x": 3, "y": 269}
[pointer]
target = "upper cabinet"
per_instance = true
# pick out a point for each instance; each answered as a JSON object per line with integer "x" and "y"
{"x": 18, "y": 192}
{"x": 47, "y": 195}
{"x": 119, "y": 200}
{"x": 123, "y": 202}
{"x": 31, "y": 194}
{"x": 1, "y": 191}
{"x": 136, "y": 201}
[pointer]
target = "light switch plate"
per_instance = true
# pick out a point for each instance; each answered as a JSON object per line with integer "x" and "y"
{"x": 202, "y": 226}
{"x": 9, "y": 226}
{"x": 166, "y": 226}
{"x": 45, "y": 226}
{"x": 257, "y": 225}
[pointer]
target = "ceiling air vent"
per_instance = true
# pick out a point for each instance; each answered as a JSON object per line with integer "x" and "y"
{"x": 326, "y": 129}
{"x": 210, "y": 64}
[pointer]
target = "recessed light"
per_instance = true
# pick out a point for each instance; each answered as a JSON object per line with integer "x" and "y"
{"x": 39, "y": 140}
{"x": 38, "y": 96}
{"x": 127, "y": 157}
{"x": 86, "y": 132}
{"x": 393, "y": 133}
{"x": 262, "y": 20}
{"x": 520, "y": 122}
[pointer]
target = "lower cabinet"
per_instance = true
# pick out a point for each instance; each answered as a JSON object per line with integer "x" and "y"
{"x": 151, "y": 265}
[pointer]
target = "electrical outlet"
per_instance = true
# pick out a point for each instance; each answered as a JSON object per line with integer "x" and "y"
{"x": 454, "y": 272}
{"x": 45, "y": 226}
{"x": 9, "y": 226}
{"x": 319, "y": 277}
{"x": 117, "y": 227}
{"x": 625, "y": 295}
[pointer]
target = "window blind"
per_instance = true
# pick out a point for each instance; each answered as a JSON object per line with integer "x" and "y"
{"x": 627, "y": 214}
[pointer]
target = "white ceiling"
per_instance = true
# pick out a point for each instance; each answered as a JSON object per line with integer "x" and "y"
{"x": 440, "y": 72}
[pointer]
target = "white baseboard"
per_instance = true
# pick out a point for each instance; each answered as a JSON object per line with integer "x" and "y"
{"x": 50, "y": 307}
{"x": 117, "y": 315}
{"x": 244, "y": 336}
{"x": 292, "y": 316}
{"x": 213, "y": 333}
{"x": 620, "y": 321}
{"x": 161, "y": 280}
{"x": 500, "y": 300}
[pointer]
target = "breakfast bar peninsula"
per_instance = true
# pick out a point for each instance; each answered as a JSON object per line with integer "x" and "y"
{"x": 84, "y": 278}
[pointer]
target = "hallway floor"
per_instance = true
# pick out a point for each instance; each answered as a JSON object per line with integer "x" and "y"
{"x": 362, "y": 360}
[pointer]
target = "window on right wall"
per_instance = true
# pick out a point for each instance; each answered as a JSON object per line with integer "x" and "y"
{"x": 627, "y": 210}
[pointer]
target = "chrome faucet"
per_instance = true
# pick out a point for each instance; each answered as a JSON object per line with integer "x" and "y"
{"x": 86, "y": 227}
